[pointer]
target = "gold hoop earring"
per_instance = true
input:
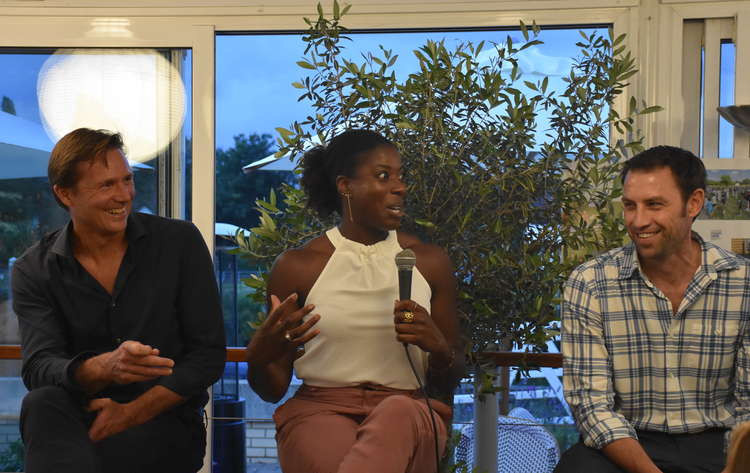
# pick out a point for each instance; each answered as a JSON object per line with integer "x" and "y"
{"x": 349, "y": 205}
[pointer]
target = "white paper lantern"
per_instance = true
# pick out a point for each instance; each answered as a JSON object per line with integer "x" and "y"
{"x": 137, "y": 93}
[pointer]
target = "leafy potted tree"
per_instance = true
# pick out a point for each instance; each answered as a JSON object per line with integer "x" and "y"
{"x": 515, "y": 213}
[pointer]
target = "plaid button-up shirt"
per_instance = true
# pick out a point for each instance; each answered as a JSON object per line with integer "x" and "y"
{"x": 630, "y": 363}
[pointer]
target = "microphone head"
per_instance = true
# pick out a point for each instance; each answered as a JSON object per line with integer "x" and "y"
{"x": 405, "y": 260}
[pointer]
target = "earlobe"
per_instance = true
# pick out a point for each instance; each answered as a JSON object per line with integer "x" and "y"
{"x": 342, "y": 185}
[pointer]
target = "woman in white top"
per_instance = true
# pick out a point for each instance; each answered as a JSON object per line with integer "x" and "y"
{"x": 335, "y": 318}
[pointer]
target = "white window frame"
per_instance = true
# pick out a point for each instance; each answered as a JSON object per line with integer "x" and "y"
{"x": 654, "y": 29}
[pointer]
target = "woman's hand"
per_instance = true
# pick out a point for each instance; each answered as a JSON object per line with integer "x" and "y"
{"x": 282, "y": 331}
{"x": 419, "y": 329}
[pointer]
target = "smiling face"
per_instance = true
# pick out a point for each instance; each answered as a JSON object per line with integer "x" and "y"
{"x": 376, "y": 190}
{"x": 657, "y": 216}
{"x": 102, "y": 198}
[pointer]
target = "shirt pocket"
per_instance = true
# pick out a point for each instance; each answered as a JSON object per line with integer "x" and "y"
{"x": 710, "y": 346}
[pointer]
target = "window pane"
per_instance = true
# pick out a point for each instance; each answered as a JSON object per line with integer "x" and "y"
{"x": 726, "y": 97}
{"x": 13, "y": 391}
{"x": 254, "y": 95}
{"x": 44, "y": 94}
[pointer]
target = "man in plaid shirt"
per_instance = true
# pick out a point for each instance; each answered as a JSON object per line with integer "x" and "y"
{"x": 656, "y": 334}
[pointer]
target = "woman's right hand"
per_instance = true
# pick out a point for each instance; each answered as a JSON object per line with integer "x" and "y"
{"x": 282, "y": 331}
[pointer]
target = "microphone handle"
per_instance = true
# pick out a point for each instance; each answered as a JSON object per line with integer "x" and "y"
{"x": 404, "y": 284}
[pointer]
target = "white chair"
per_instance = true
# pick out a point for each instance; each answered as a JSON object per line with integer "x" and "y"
{"x": 523, "y": 445}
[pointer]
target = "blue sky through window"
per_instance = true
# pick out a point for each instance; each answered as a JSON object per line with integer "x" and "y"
{"x": 20, "y": 82}
{"x": 254, "y": 72}
{"x": 726, "y": 97}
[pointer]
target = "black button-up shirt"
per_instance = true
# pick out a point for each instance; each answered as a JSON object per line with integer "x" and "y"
{"x": 165, "y": 295}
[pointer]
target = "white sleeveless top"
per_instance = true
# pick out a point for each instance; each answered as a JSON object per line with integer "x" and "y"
{"x": 354, "y": 295}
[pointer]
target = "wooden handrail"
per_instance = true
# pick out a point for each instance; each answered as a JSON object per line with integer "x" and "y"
{"x": 235, "y": 354}
{"x": 501, "y": 358}
{"x": 531, "y": 360}
{"x": 10, "y": 352}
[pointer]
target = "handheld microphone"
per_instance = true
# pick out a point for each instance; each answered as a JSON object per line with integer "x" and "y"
{"x": 405, "y": 261}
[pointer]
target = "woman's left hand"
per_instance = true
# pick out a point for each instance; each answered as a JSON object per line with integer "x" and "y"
{"x": 418, "y": 328}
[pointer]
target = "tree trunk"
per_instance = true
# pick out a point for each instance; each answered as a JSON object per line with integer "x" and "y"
{"x": 487, "y": 408}
{"x": 485, "y": 429}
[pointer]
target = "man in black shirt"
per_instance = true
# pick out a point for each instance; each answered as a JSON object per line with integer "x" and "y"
{"x": 121, "y": 325}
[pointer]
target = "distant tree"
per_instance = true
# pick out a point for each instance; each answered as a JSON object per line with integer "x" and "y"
{"x": 726, "y": 180}
{"x": 745, "y": 182}
{"x": 13, "y": 226}
{"x": 11, "y": 459}
{"x": 8, "y": 106}
{"x": 236, "y": 192}
{"x": 27, "y": 211}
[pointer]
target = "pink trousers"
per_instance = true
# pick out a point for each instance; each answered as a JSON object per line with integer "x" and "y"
{"x": 359, "y": 430}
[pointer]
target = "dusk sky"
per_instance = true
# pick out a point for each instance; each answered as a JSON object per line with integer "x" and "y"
{"x": 254, "y": 72}
{"x": 254, "y": 75}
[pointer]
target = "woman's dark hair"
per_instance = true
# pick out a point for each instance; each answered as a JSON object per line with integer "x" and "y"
{"x": 322, "y": 165}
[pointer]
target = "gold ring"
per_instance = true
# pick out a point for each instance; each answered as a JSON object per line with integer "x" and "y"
{"x": 288, "y": 337}
{"x": 407, "y": 317}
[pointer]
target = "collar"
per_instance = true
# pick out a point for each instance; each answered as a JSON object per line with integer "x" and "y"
{"x": 714, "y": 259}
{"x": 63, "y": 243}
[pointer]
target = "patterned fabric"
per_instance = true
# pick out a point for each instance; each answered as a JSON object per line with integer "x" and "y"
{"x": 629, "y": 363}
{"x": 523, "y": 445}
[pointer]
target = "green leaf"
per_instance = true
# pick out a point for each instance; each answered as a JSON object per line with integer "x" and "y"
{"x": 530, "y": 44}
{"x": 266, "y": 206}
{"x": 298, "y": 85}
{"x": 285, "y": 134}
{"x": 405, "y": 125}
{"x": 424, "y": 223}
{"x": 524, "y": 31}
{"x": 305, "y": 65}
{"x": 652, "y": 109}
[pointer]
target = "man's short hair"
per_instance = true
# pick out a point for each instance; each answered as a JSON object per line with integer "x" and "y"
{"x": 78, "y": 146}
{"x": 687, "y": 169}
